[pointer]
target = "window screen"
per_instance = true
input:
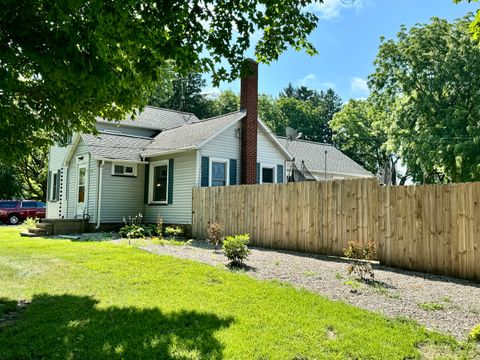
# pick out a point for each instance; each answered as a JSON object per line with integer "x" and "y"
{"x": 160, "y": 179}
{"x": 267, "y": 176}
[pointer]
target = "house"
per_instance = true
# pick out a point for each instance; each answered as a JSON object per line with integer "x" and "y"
{"x": 150, "y": 165}
{"x": 322, "y": 161}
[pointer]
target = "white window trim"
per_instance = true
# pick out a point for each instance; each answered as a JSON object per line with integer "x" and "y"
{"x": 84, "y": 163}
{"x": 227, "y": 170}
{"x": 268, "y": 166}
{"x": 134, "y": 166}
{"x": 150, "y": 181}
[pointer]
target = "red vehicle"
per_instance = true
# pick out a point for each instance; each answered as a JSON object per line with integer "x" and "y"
{"x": 15, "y": 211}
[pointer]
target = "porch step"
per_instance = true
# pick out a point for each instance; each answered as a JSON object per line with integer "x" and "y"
{"x": 38, "y": 231}
{"x": 44, "y": 225}
{"x": 29, "y": 234}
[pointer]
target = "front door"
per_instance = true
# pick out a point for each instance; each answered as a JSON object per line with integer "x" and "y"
{"x": 82, "y": 177}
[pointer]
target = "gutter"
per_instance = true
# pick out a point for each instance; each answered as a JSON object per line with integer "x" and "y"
{"x": 99, "y": 193}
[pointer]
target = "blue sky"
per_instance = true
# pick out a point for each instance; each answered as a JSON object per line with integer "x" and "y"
{"x": 347, "y": 38}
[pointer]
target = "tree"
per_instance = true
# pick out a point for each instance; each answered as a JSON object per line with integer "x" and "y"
{"x": 64, "y": 63}
{"x": 429, "y": 82}
{"x": 10, "y": 186}
{"x": 359, "y": 131}
{"x": 225, "y": 103}
{"x": 270, "y": 112}
{"x": 475, "y": 24}
{"x": 185, "y": 95}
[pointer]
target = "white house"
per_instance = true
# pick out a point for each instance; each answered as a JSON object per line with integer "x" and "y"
{"x": 150, "y": 165}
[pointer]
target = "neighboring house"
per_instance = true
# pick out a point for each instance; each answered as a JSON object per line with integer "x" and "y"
{"x": 323, "y": 160}
{"x": 151, "y": 164}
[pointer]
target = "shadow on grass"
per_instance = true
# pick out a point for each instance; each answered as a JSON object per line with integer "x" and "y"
{"x": 67, "y": 326}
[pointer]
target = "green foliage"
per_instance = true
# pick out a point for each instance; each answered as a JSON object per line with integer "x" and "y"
{"x": 10, "y": 185}
{"x": 431, "y": 306}
{"x": 215, "y": 233}
{"x": 474, "y": 335}
{"x": 173, "y": 231}
{"x": 359, "y": 131}
{"x": 30, "y": 222}
{"x": 235, "y": 248}
{"x": 428, "y": 83}
{"x": 132, "y": 232}
{"x": 63, "y": 64}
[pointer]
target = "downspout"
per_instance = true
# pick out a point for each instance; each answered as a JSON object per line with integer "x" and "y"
{"x": 99, "y": 193}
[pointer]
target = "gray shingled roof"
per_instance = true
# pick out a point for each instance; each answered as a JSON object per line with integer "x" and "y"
{"x": 156, "y": 119}
{"x": 313, "y": 154}
{"x": 189, "y": 136}
{"x": 116, "y": 146}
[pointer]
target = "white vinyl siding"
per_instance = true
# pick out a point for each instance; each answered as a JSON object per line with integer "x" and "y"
{"x": 56, "y": 156}
{"x": 184, "y": 177}
{"x": 122, "y": 196}
{"x": 225, "y": 146}
{"x": 268, "y": 154}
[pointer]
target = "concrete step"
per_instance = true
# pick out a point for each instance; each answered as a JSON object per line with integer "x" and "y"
{"x": 38, "y": 231}
{"x": 44, "y": 225}
{"x": 29, "y": 234}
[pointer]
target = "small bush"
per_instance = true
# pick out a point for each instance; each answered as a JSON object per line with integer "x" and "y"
{"x": 215, "y": 234}
{"x": 474, "y": 335}
{"x": 132, "y": 232}
{"x": 30, "y": 222}
{"x": 150, "y": 230}
{"x": 235, "y": 248}
{"x": 361, "y": 253}
{"x": 173, "y": 231}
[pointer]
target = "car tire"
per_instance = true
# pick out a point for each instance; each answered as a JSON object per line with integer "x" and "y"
{"x": 14, "y": 219}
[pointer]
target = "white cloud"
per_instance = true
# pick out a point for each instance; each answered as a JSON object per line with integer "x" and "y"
{"x": 331, "y": 9}
{"x": 359, "y": 85}
{"x": 307, "y": 80}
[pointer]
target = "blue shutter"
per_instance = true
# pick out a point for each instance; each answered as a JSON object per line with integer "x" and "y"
{"x": 233, "y": 172}
{"x": 145, "y": 190}
{"x": 49, "y": 185}
{"x": 258, "y": 173}
{"x": 204, "y": 173}
{"x": 279, "y": 174}
{"x": 170, "y": 181}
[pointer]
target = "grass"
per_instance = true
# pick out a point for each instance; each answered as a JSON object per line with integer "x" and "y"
{"x": 431, "y": 306}
{"x": 97, "y": 300}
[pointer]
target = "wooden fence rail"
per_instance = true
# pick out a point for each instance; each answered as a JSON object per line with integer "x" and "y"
{"x": 431, "y": 228}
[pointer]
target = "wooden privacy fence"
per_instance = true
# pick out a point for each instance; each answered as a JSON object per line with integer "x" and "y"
{"x": 431, "y": 228}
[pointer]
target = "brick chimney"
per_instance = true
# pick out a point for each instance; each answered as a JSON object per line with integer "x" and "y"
{"x": 249, "y": 103}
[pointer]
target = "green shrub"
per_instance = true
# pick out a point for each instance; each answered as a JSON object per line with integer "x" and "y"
{"x": 475, "y": 333}
{"x": 150, "y": 230}
{"x": 132, "y": 232}
{"x": 235, "y": 248}
{"x": 30, "y": 222}
{"x": 173, "y": 231}
{"x": 431, "y": 306}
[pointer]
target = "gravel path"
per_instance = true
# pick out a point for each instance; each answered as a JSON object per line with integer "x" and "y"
{"x": 395, "y": 293}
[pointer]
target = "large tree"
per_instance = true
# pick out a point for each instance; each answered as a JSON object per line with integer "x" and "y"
{"x": 62, "y": 63}
{"x": 429, "y": 82}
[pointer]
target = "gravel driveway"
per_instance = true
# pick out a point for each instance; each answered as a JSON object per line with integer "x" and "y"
{"x": 395, "y": 292}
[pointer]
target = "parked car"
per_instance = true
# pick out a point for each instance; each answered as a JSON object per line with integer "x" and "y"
{"x": 15, "y": 211}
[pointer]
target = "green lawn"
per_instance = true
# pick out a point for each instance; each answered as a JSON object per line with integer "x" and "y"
{"x": 99, "y": 300}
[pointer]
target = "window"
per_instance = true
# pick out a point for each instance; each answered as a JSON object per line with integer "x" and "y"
{"x": 8, "y": 204}
{"x": 81, "y": 184}
{"x": 159, "y": 182}
{"x": 124, "y": 170}
{"x": 41, "y": 205}
{"x": 268, "y": 174}
{"x": 218, "y": 172}
{"x": 29, "y": 204}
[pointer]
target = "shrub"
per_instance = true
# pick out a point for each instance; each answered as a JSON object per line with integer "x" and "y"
{"x": 150, "y": 230}
{"x": 132, "y": 232}
{"x": 215, "y": 234}
{"x": 235, "y": 248}
{"x": 30, "y": 222}
{"x": 361, "y": 253}
{"x": 475, "y": 333}
{"x": 173, "y": 231}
